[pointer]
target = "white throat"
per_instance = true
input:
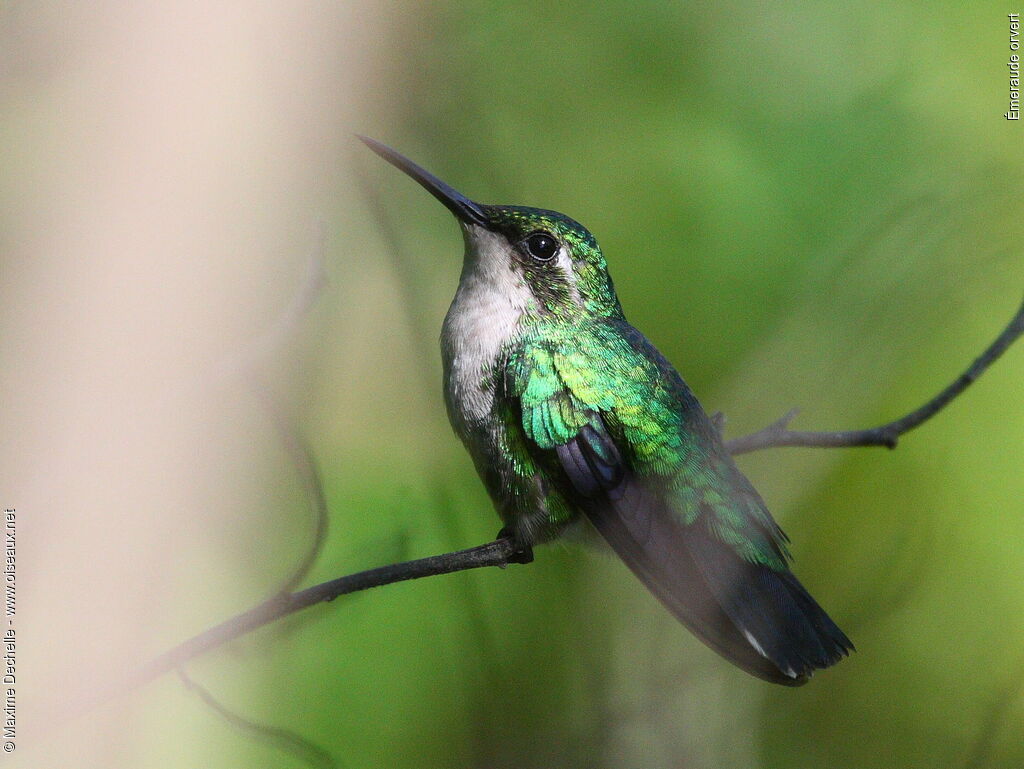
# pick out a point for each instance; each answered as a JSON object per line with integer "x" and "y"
{"x": 484, "y": 315}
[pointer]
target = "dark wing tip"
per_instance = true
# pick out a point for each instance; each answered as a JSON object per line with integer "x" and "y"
{"x": 759, "y": 618}
{"x": 772, "y": 610}
{"x": 762, "y": 620}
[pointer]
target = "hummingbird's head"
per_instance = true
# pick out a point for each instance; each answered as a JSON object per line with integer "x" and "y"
{"x": 551, "y": 260}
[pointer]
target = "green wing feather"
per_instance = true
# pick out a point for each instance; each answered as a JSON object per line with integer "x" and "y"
{"x": 598, "y": 375}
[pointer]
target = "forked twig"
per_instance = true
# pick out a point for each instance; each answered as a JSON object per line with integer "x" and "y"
{"x": 778, "y": 433}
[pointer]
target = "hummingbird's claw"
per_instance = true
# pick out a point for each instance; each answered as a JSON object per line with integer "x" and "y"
{"x": 523, "y": 553}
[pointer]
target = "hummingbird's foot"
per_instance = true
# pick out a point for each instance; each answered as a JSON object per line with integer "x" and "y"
{"x": 523, "y": 553}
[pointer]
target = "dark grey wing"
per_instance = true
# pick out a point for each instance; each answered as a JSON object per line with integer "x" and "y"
{"x": 759, "y": 619}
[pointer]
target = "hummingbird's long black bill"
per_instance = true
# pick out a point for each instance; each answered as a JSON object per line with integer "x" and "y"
{"x": 464, "y": 208}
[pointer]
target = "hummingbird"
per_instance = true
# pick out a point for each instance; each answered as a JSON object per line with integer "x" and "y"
{"x": 570, "y": 413}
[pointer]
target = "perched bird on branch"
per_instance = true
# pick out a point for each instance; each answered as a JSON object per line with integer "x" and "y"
{"x": 567, "y": 410}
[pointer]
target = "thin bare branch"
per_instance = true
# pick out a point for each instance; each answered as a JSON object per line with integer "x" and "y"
{"x": 500, "y": 552}
{"x": 247, "y": 367}
{"x": 305, "y": 466}
{"x": 283, "y": 739}
{"x": 778, "y": 433}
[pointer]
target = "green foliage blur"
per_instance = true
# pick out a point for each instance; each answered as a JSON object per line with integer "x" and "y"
{"x": 813, "y": 205}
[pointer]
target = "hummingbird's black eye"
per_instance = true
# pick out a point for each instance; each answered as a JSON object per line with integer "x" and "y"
{"x": 541, "y": 246}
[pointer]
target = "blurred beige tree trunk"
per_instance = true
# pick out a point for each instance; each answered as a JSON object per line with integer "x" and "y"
{"x": 163, "y": 167}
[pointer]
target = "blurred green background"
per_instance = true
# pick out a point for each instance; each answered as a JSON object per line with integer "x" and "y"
{"x": 813, "y": 205}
